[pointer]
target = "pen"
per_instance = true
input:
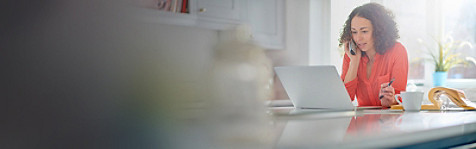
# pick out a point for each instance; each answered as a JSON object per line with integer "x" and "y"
{"x": 391, "y": 81}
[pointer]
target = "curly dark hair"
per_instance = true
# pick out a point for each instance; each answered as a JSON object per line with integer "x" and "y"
{"x": 385, "y": 32}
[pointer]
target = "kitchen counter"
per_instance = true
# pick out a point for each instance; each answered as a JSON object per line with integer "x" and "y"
{"x": 373, "y": 128}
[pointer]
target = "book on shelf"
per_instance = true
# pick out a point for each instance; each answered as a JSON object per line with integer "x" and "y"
{"x": 173, "y": 8}
{"x": 176, "y": 6}
{"x": 164, "y": 5}
{"x": 184, "y": 8}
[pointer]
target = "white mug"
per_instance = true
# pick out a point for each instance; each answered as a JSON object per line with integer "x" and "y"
{"x": 411, "y": 101}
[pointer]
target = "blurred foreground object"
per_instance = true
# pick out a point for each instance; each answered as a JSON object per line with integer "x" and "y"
{"x": 242, "y": 81}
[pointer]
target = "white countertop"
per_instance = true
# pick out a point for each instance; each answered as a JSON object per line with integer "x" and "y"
{"x": 369, "y": 128}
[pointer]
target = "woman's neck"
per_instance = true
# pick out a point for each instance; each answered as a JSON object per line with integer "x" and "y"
{"x": 371, "y": 54}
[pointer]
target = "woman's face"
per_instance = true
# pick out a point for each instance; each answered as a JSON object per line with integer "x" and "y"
{"x": 362, "y": 30}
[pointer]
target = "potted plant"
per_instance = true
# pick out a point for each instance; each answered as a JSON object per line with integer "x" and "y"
{"x": 446, "y": 57}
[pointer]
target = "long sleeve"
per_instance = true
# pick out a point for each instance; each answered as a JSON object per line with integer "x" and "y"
{"x": 351, "y": 86}
{"x": 400, "y": 69}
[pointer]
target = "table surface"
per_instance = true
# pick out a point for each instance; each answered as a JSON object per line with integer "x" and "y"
{"x": 374, "y": 128}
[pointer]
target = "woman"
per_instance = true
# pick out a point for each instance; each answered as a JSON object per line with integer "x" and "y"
{"x": 378, "y": 57}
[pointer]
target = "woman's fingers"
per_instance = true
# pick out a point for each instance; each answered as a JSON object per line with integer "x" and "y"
{"x": 346, "y": 48}
{"x": 389, "y": 94}
{"x": 387, "y": 89}
{"x": 384, "y": 102}
{"x": 387, "y": 100}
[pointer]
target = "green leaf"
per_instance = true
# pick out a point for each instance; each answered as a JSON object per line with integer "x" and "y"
{"x": 447, "y": 56}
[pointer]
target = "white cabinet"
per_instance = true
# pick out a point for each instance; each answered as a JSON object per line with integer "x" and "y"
{"x": 265, "y": 17}
{"x": 219, "y": 10}
{"x": 219, "y": 14}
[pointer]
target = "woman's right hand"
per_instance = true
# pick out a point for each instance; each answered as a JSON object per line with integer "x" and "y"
{"x": 353, "y": 64}
{"x": 353, "y": 58}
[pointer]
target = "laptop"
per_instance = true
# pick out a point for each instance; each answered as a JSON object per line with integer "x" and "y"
{"x": 314, "y": 87}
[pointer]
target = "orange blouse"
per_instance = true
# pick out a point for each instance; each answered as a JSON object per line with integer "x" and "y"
{"x": 392, "y": 64}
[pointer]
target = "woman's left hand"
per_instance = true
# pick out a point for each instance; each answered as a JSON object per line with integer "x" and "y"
{"x": 388, "y": 93}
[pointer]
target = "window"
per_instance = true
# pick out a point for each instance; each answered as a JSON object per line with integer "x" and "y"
{"x": 412, "y": 21}
{"x": 432, "y": 19}
{"x": 459, "y": 21}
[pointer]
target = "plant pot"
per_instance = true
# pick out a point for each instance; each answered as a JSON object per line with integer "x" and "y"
{"x": 439, "y": 78}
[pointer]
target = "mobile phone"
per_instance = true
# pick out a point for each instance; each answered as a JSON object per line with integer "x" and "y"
{"x": 352, "y": 47}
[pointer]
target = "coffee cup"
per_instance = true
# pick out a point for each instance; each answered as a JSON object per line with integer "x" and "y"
{"x": 411, "y": 101}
